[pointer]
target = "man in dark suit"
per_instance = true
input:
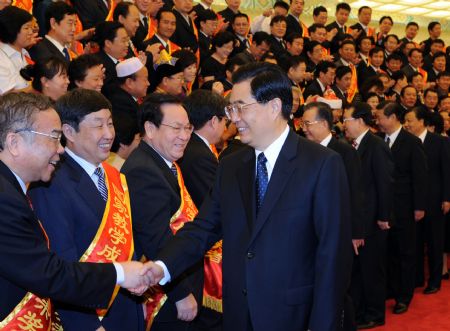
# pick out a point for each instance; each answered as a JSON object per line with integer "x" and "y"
{"x": 241, "y": 28}
{"x": 368, "y": 285}
{"x": 362, "y": 26}
{"x": 153, "y": 178}
{"x": 207, "y": 23}
{"x": 293, "y": 23}
{"x": 185, "y": 35}
{"x": 111, "y": 37}
{"x": 259, "y": 47}
{"x": 60, "y": 24}
{"x": 267, "y": 205}
{"x": 132, "y": 88}
{"x": 342, "y": 83}
{"x": 72, "y": 206}
{"x": 228, "y": 13}
{"x": 147, "y": 13}
{"x": 431, "y": 229}
{"x": 376, "y": 59}
{"x": 91, "y": 12}
{"x": 323, "y": 79}
{"x": 410, "y": 191}
{"x": 31, "y": 130}
{"x": 415, "y": 61}
{"x": 342, "y": 14}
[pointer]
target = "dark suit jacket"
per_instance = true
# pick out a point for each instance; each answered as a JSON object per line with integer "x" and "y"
{"x": 339, "y": 94}
{"x": 313, "y": 89}
{"x": 228, "y": 16}
{"x": 292, "y": 25}
{"x": 26, "y": 264}
{"x": 90, "y": 12}
{"x": 409, "y": 71}
{"x": 204, "y": 43}
{"x": 437, "y": 150}
{"x": 292, "y": 252}
{"x": 377, "y": 172}
{"x": 123, "y": 105}
{"x": 155, "y": 197}
{"x": 364, "y": 72}
{"x": 44, "y": 50}
{"x": 358, "y": 26}
{"x": 410, "y": 177}
{"x": 184, "y": 33}
{"x": 71, "y": 209}
{"x": 353, "y": 170}
{"x": 141, "y": 33}
{"x": 334, "y": 45}
{"x": 110, "y": 81}
{"x": 432, "y": 76}
{"x": 199, "y": 166}
{"x": 276, "y": 47}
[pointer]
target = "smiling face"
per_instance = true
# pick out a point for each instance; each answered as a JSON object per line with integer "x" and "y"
{"x": 94, "y": 137}
{"x": 64, "y": 31}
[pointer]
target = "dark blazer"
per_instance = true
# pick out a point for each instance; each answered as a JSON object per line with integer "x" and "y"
{"x": 110, "y": 81}
{"x": 437, "y": 150}
{"x": 313, "y": 89}
{"x": 292, "y": 25}
{"x": 358, "y": 26}
{"x": 139, "y": 36}
{"x": 339, "y": 94}
{"x": 292, "y": 252}
{"x": 44, "y": 50}
{"x": 123, "y": 105}
{"x": 432, "y": 76}
{"x": 410, "y": 177}
{"x": 334, "y": 45}
{"x": 204, "y": 42}
{"x": 199, "y": 166}
{"x": 408, "y": 71}
{"x": 90, "y": 12}
{"x": 26, "y": 264}
{"x": 377, "y": 172}
{"x": 184, "y": 33}
{"x": 364, "y": 73}
{"x": 277, "y": 48}
{"x": 71, "y": 209}
{"x": 353, "y": 170}
{"x": 228, "y": 16}
{"x": 155, "y": 197}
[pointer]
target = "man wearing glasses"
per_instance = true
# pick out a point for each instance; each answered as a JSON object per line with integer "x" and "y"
{"x": 79, "y": 208}
{"x": 282, "y": 209}
{"x": 161, "y": 204}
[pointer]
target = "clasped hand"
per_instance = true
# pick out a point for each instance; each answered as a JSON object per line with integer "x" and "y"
{"x": 140, "y": 276}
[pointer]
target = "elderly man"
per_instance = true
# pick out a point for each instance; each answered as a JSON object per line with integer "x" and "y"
{"x": 30, "y": 131}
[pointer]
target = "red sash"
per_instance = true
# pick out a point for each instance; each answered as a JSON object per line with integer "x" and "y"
{"x": 353, "y": 89}
{"x": 305, "y": 31}
{"x": 424, "y": 74}
{"x": 113, "y": 241}
{"x": 24, "y": 4}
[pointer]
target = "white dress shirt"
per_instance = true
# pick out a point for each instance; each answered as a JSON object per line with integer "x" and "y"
{"x": 393, "y": 136}
{"x": 11, "y": 62}
{"x": 326, "y": 141}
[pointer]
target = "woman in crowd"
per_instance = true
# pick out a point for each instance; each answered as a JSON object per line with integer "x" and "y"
{"x": 50, "y": 77}
{"x": 214, "y": 66}
{"x": 188, "y": 62}
{"x": 86, "y": 71}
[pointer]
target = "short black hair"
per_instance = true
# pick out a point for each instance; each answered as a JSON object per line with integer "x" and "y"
{"x": 106, "y": 31}
{"x": 443, "y": 74}
{"x": 437, "y": 41}
{"x": 260, "y": 37}
{"x": 57, "y": 10}
{"x": 322, "y": 67}
{"x": 125, "y": 129}
{"x": 392, "y": 108}
{"x": 150, "y": 110}
{"x": 167, "y": 10}
{"x": 311, "y": 45}
{"x": 318, "y": 10}
{"x": 202, "y": 16}
{"x": 79, "y": 66}
{"x": 422, "y": 114}
{"x": 185, "y": 58}
{"x": 430, "y": 90}
{"x": 344, "y": 6}
{"x": 76, "y": 104}
{"x": 398, "y": 75}
{"x": 235, "y": 61}
{"x": 403, "y": 91}
{"x": 281, "y": 4}
{"x": 435, "y": 119}
{"x": 292, "y": 36}
{"x": 385, "y": 39}
{"x": 11, "y": 21}
{"x": 431, "y": 25}
{"x": 268, "y": 82}
{"x": 288, "y": 62}
{"x": 221, "y": 39}
{"x": 414, "y": 75}
{"x": 411, "y": 51}
{"x": 362, "y": 110}
{"x": 341, "y": 71}
{"x": 48, "y": 68}
{"x": 239, "y": 15}
{"x": 278, "y": 19}
{"x": 385, "y": 18}
{"x": 438, "y": 55}
{"x": 394, "y": 56}
{"x": 347, "y": 42}
{"x": 362, "y": 8}
{"x": 324, "y": 112}
{"x": 315, "y": 26}
{"x": 122, "y": 9}
{"x": 412, "y": 24}
{"x": 375, "y": 50}
{"x": 203, "y": 105}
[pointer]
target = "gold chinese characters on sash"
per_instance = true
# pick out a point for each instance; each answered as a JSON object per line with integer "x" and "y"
{"x": 212, "y": 290}
{"x": 113, "y": 241}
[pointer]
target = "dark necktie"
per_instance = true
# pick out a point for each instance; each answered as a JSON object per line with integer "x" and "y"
{"x": 145, "y": 20}
{"x": 174, "y": 170}
{"x": 388, "y": 141}
{"x": 66, "y": 54}
{"x": 262, "y": 180}
{"x": 101, "y": 183}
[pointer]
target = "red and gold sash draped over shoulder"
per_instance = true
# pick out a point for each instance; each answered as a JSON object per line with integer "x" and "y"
{"x": 113, "y": 241}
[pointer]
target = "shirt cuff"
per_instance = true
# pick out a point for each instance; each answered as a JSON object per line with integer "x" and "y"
{"x": 120, "y": 273}
{"x": 166, "y": 277}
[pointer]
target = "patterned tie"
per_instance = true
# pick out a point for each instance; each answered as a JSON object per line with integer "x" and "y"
{"x": 262, "y": 179}
{"x": 355, "y": 144}
{"x": 66, "y": 53}
{"x": 101, "y": 183}
{"x": 174, "y": 170}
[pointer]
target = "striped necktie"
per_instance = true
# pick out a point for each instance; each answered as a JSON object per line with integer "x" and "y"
{"x": 101, "y": 183}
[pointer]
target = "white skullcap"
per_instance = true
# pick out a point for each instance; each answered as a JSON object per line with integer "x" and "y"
{"x": 333, "y": 103}
{"x": 128, "y": 67}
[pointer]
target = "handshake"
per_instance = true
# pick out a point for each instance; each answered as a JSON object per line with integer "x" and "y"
{"x": 140, "y": 276}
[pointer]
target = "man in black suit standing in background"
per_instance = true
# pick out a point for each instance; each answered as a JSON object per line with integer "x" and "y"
{"x": 431, "y": 229}
{"x": 369, "y": 268}
{"x": 91, "y": 12}
{"x": 323, "y": 79}
{"x": 186, "y": 35}
{"x": 410, "y": 192}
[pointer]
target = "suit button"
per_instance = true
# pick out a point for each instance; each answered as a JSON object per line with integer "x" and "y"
{"x": 244, "y": 292}
{"x": 250, "y": 255}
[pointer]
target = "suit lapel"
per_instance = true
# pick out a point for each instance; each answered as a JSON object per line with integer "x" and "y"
{"x": 85, "y": 187}
{"x": 398, "y": 141}
{"x": 363, "y": 145}
{"x": 284, "y": 166}
{"x": 246, "y": 181}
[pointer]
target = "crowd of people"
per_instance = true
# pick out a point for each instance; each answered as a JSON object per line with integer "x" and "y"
{"x": 164, "y": 131}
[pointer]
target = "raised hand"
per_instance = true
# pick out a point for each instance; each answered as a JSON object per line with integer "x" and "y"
{"x": 187, "y": 308}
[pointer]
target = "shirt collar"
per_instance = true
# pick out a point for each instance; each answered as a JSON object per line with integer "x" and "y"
{"x": 8, "y": 50}
{"x": 296, "y": 18}
{"x": 323, "y": 87}
{"x": 204, "y": 5}
{"x": 327, "y": 140}
{"x": 273, "y": 150}
{"x": 55, "y": 42}
{"x": 113, "y": 58}
{"x": 87, "y": 166}
{"x": 163, "y": 42}
{"x": 345, "y": 62}
{"x": 169, "y": 164}
{"x": 394, "y": 135}
{"x": 360, "y": 137}
{"x": 141, "y": 18}
{"x": 203, "y": 139}
{"x": 21, "y": 182}
{"x": 423, "y": 135}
